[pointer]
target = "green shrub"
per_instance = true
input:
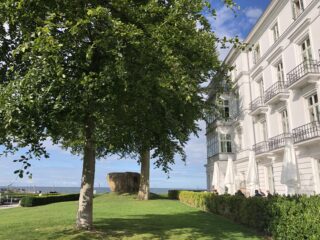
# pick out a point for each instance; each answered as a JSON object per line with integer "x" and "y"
{"x": 21, "y": 195}
{"x": 30, "y": 201}
{"x": 174, "y": 194}
{"x": 296, "y": 217}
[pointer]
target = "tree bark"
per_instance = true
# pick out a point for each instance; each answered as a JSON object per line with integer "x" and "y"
{"x": 85, "y": 209}
{"x": 144, "y": 187}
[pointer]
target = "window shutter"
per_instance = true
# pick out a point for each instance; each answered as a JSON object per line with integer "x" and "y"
{"x": 293, "y": 10}
{"x": 302, "y": 5}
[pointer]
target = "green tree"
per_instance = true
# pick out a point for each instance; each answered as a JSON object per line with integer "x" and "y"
{"x": 176, "y": 58}
{"x": 101, "y": 77}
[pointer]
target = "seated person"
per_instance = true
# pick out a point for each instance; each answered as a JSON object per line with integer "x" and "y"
{"x": 257, "y": 194}
{"x": 262, "y": 193}
{"x": 239, "y": 193}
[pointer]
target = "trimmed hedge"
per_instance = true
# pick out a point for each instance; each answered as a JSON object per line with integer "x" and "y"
{"x": 21, "y": 195}
{"x": 31, "y": 201}
{"x": 296, "y": 217}
{"x": 174, "y": 193}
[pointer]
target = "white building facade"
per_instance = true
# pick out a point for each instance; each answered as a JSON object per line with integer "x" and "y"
{"x": 278, "y": 91}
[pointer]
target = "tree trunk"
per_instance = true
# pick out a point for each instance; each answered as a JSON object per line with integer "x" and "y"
{"x": 84, "y": 215}
{"x": 144, "y": 188}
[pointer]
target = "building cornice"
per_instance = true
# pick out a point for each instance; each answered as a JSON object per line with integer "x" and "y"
{"x": 262, "y": 22}
{"x": 275, "y": 54}
{"x": 242, "y": 73}
{"x": 257, "y": 72}
{"x": 299, "y": 30}
{"x": 286, "y": 33}
{"x": 234, "y": 52}
{"x": 257, "y": 28}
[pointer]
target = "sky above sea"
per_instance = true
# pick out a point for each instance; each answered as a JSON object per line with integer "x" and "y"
{"x": 64, "y": 169}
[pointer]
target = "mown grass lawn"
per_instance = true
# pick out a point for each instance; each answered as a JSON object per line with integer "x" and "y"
{"x": 119, "y": 217}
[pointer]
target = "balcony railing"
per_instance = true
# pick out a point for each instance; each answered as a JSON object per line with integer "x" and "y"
{"x": 258, "y": 102}
{"x": 261, "y": 147}
{"x": 306, "y": 132}
{"x": 275, "y": 89}
{"x": 278, "y": 141}
{"x": 308, "y": 66}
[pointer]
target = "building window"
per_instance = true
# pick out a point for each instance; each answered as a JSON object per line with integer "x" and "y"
{"x": 280, "y": 72}
{"x": 270, "y": 180}
{"x": 314, "y": 109}
{"x": 318, "y": 161}
{"x": 275, "y": 32}
{"x": 264, "y": 130}
{"x": 210, "y": 118}
{"x": 212, "y": 145}
{"x": 298, "y": 8}
{"x": 261, "y": 88}
{"x": 256, "y": 53}
{"x": 235, "y": 73}
{"x": 225, "y": 143}
{"x": 306, "y": 51}
{"x": 225, "y": 108}
{"x": 285, "y": 121}
{"x": 238, "y": 106}
{"x": 239, "y": 139}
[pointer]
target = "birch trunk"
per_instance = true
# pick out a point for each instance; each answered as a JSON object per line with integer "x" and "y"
{"x": 144, "y": 187}
{"x": 85, "y": 209}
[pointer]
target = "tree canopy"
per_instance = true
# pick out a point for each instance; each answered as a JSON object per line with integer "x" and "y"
{"x": 101, "y": 77}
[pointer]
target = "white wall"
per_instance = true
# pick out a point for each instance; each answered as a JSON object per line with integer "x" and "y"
{"x": 288, "y": 50}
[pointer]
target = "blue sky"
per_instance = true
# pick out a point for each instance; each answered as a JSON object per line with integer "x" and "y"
{"x": 64, "y": 169}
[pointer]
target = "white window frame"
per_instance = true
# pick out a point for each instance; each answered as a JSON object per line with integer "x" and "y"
{"x": 285, "y": 121}
{"x": 225, "y": 143}
{"x": 261, "y": 87}
{"x": 297, "y": 11}
{"x": 239, "y": 139}
{"x": 280, "y": 71}
{"x": 235, "y": 72}
{"x": 275, "y": 32}
{"x": 212, "y": 145}
{"x": 225, "y": 108}
{"x": 210, "y": 118}
{"x": 313, "y": 107}
{"x": 264, "y": 130}
{"x": 256, "y": 53}
{"x": 306, "y": 53}
{"x": 270, "y": 186}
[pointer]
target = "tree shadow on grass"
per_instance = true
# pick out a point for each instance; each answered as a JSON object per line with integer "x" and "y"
{"x": 194, "y": 225}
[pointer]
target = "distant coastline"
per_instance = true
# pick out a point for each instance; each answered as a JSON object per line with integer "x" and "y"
{"x": 74, "y": 189}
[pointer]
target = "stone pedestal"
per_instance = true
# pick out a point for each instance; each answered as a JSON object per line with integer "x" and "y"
{"x": 127, "y": 182}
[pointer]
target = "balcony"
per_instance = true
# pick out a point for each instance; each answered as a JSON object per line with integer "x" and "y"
{"x": 305, "y": 73}
{"x": 258, "y": 106}
{"x": 261, "y": 147}
{"x": 278, "y": 141}
{"x": 306, "y": 132}
{"x": 277, "y": 92}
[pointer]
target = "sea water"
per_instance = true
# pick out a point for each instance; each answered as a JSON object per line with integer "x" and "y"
{"x": 72, "y": 189}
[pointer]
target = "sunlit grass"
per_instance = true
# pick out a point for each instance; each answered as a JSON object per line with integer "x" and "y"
{"x": 119, "y": 217}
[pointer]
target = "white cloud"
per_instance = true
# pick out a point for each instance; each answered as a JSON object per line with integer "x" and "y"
{"x": 229, "y": 24}
{"x": 253, "y": 14}
{"x": 224, "y": 25}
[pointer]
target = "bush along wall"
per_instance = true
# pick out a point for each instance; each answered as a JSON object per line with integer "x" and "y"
{"x": 31, "y": 201}
{"x": 296, "y": 217}
{"x": 174, "y": 193}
